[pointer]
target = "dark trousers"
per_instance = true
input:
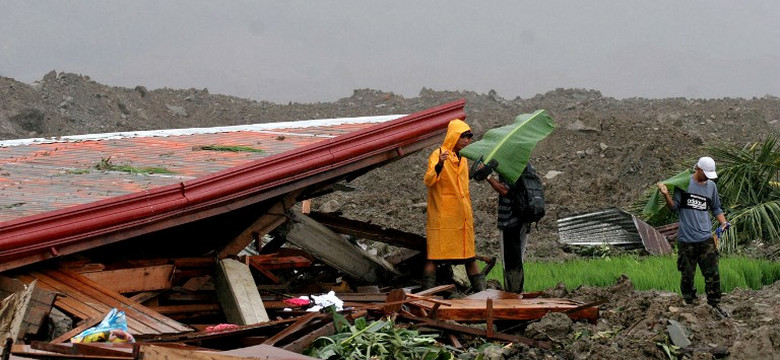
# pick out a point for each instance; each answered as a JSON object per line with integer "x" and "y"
{"x": 705, "y": 255}
{"x": 512, "y": 251}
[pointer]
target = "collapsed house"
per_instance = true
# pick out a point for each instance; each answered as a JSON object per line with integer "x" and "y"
{"x": 200, "y": 236}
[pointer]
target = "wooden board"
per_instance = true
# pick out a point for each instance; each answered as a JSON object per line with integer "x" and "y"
{"x": 84, "y": 298}
{"x": 508, "y": 309}
{"x": 238, "y": 293}
{"x": 332, "y": 249}
{"x": 147, "y": 278}
{"x": 39, "y": 307}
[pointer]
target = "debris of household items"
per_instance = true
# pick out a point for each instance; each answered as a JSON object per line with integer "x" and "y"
{"x": 612, "y": 227}
{"x": 113, "y": 328}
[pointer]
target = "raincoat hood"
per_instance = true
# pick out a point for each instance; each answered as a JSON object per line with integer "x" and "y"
{"x": 454, "y": 129}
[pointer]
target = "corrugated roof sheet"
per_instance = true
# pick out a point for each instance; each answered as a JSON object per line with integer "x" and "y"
{"x": 611, "y": 227}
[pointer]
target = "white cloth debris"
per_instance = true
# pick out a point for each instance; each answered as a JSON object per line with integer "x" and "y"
{"x": 323, "y": 301}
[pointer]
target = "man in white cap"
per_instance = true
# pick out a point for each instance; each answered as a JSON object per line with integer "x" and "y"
{"x": 695, "y": 244}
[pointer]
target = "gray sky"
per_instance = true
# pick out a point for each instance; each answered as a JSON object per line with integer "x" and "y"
{"x": 321, "y": 50}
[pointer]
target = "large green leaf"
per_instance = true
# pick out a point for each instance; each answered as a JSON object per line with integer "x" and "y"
{"x": 511, "y": 145}
{"x": 657, "y": 202}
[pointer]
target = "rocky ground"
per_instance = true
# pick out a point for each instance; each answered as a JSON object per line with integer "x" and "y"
{"x": 606, "y": 152}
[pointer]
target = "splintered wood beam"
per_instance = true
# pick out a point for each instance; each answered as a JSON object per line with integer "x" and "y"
{"x": 39, "y": 308}
{"x": 290, "y": 330}
{"x": 332, "y": 249}
{"x": 369, "y": 231}
{"x": 304, "y": 341}
{"x": 12, "y": 310}
{"x": 267, "y": 222}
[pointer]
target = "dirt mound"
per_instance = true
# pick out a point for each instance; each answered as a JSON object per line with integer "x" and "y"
{"x": 604, "y": 153}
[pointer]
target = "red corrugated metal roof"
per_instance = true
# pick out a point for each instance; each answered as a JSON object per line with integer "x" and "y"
{"x": 53, "y": 201}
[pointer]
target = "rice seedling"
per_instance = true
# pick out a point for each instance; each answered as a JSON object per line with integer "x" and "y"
{"x": 646, "y": 273}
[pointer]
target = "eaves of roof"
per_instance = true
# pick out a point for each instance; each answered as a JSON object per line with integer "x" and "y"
{"x": 51, "y": 208}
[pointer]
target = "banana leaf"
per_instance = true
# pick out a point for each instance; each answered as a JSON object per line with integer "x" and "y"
{"x": 656, "y": 202}
{"x": 511, "y": 145}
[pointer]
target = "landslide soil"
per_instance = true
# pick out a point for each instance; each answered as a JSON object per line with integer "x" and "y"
{"x": 604, "y": 153}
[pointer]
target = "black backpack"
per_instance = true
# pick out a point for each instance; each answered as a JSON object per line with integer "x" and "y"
{"x": 529, "y": 196}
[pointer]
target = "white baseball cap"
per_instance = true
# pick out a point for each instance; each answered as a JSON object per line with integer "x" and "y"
{"x": 707, "y": 165}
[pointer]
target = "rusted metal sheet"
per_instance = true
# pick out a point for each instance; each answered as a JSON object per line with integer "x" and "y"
{"x": 654, "y": 241}
{"x": 76, "y": 228}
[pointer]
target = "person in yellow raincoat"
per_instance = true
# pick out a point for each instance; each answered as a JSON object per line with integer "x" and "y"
{"x": 450, "y": 225}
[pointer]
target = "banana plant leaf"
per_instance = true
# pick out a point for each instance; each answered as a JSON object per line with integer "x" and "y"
{"x": 656, "y": 202}
{"x": 511, "y": 145}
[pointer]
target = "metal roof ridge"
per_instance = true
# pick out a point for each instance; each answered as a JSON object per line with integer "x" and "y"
{"x": 209, "y": 130}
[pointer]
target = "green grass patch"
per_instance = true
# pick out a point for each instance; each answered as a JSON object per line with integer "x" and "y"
{"x": 235, "y": 148}
{"x": 106, "y": 165}
{"x": 646, "y": 273}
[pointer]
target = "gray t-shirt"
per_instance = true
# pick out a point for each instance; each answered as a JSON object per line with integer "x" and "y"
{"x": 692, "y": 207}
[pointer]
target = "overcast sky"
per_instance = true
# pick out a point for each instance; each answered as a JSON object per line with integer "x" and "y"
{"x": 318, "y": 50}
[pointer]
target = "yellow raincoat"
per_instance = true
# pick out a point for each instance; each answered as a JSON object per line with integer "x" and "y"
{"x": 450, "y": 226}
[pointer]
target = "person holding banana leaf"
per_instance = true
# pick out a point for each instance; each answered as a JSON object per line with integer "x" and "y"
{"x": 695, "y": 243}
{"x": 450, "y": 221}
{"x": 514, "y": 232}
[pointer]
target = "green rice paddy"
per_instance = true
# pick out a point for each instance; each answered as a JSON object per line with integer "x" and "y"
{"x": 646, "y": 273}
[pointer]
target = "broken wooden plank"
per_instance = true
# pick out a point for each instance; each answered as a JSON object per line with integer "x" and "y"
{"x": 238, "y": 294}
{"x": 81, "y": 349}
{"x": 364, "y": 230}
{"x": 394, "y": 301}
{"x": 145, "y": 296}
{"x": 511, "y": 309}
{"x": 93, "y": 300}
{"x": 186, "y": 308}
{"x": 200, "y": 336}
{"x": 268, "y": 221}
{"x": 304, "y": 341}
{"x": 293, "y": 328}
{"x": 421, "y": 321}
{"x": 27, "y": 352}
{"x": 40, "y": 305}
{"x": 277, "y": 261}
{"x": 268, "y": 352}
{"x": 499, "y": 294}
{"x": 84, "y": 325}
{"x": 334, "y": 250}
{"x": 156, "y": 352}
{"x": 78, "y": 300}
{"x": 147, "y": 278}
{"x": 435, "y": 290}
{"x": 12, "y": 311}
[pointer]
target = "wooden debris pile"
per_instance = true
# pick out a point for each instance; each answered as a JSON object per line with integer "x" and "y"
{"x": 202, "y": 308}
